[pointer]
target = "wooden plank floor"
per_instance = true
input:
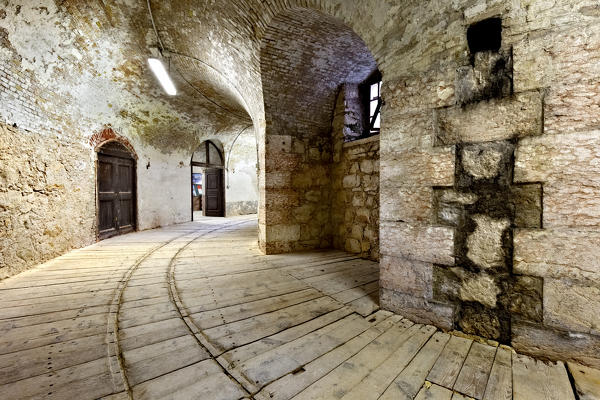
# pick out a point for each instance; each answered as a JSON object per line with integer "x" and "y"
{"x": 196, "y": 312}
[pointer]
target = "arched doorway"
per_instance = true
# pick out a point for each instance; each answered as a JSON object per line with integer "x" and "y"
{"x": 208, "y": 189}
{"x": 116, "y": 184}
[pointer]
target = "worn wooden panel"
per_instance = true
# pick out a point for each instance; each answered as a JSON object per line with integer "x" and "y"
{"x": 473, "y": 376}
{"x": 448, "y": 365}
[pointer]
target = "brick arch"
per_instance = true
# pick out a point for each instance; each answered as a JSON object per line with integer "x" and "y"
{"x": 275, "y": 8}
{"x": 108, "y": 134}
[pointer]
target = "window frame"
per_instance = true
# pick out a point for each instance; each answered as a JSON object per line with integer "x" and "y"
{"x": 366, "y": 99}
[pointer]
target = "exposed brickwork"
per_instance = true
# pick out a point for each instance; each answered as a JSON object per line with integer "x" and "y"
{"x": 107, "y": 134}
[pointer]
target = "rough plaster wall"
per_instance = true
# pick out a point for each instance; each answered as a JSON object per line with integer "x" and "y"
{"x": 355, "y": 184}
{"x": 163, "y": 188}
{"x": 241, "y": 179}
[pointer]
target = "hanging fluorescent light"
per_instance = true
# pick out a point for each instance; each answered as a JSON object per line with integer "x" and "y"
{"x": 163, "y": 77}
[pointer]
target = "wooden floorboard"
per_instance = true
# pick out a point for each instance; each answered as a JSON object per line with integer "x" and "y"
{"x": 195, "y": 311}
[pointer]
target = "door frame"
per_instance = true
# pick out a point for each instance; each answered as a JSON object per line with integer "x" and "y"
{"x": 193, "y": 164}
{"x": 206, "y": 166}
{"x": 134, "y": 188}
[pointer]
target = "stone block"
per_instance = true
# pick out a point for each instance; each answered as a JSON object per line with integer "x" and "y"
{"x": 571, "y": 306}
{"x": 559, "y": 254}
{"x": 363, "y": 215}
{"x": 358, "y": 200}
{"x": 527, "y": 200}
{"x": 353, "y": 246}
{"x": 568, "y": 158}
{"x": 446, "y": 284}
{"x": 371, "y": 234}
{"x": 449, "y": 206}
{"x": 568, "y": 165}
{"x": 411, "y": 204}
{"x": 271, "y": 247}
{"x": 569, "y": 205}
{"x": 313, "y": 196}
{"x": 526, "y": 298}
{"x": 475, "y": 319}
{"x": 418, "y": 309}
{"x": 434, "y": 244}
{"x": 572, "y": 107}
{"x": 351, "y": 181}
{"x": 370, "y": 182}
{"x": 424, "y": 167}
{"x": 481, "y": 288}
{"x": 304, "y": 213}
{"x": 367, "y": 166}
{"x": 544, "y": 342}
{"x": 481, "y": 163}
{"x": 490, "y": 76}
{"x": 405, "y": 130}
{"x": 406, "y": 276}
{"x": 557, "y": 57}
{"x": 282, "y": 233}
{"x": 365, "y": 246}
{"x": 434, "y": 88}
{"x": 485, "y": 244}
{"x": 485, "y": 163}
{"x": 357, "y": 232}
{"x": 497, "y": 119}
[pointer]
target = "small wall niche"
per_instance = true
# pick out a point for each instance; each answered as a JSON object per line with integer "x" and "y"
{"x": 485, "y": 35}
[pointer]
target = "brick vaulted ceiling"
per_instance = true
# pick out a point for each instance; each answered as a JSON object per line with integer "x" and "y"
{"x": 306, "y": 55}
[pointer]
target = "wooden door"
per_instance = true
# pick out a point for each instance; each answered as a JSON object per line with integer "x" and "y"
{"x": 213, "y": 201}
{"x": 116, "y": 194}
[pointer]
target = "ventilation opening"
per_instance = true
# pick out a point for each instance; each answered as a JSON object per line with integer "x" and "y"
{"x": 485, "y": 35}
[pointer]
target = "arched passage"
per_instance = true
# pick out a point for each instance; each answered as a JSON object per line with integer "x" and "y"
{"x": 312, "y": 66}
{"x": 116, "y": 190}
{"x": 208, "y": 189}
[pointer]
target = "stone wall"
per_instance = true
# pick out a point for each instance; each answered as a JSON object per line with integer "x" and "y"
{"x": 298, "y": 193}
{"x": 241, "y": 175}
{"x": 46, "y": 198}
{"x": 355, "y": 183}
{"x": 489, "y": 181}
